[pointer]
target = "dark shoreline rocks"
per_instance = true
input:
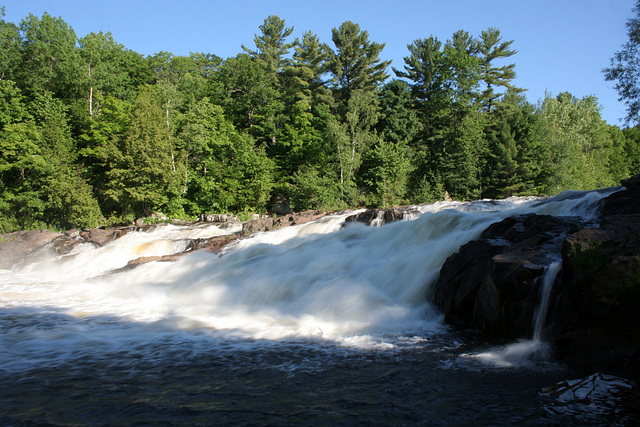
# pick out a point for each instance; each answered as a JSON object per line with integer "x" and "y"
{"x": 492, "y": 285}
{"x": 267, "y": 223}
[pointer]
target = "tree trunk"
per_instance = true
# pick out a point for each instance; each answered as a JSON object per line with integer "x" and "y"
{"x": 90, "y": 94}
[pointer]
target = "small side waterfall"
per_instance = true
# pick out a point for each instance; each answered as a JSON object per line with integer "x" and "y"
{"x": 379, "y": 220}
{"x": 535, "y": 349}
{"x": 541, "y": 313}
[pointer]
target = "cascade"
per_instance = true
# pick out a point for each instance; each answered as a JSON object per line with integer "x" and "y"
{"x": 541, "y": 312}
{"x": 379, "y": 220}
{"x": 315, "y": 323}
{"x": 350, "y": 286}
{"x": 535, "y": 349}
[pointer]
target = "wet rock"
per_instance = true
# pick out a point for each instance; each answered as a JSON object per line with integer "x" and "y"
{"x": 281, "y": 206}
{"x": 492, "y": 284}
{"x": 599, "y": 324}
{"x": 18, "y": 246}
{"x": 378, "y": 217}
{"x": 100, "y": 236}
{"x": 214, "y": 244}
{"x": 218, "y": 218}
{"x": 269, "y": 223}
{"x": 631, "y": 183}
{"x": 65, "y": 244}
{"x": 258, "y": 225}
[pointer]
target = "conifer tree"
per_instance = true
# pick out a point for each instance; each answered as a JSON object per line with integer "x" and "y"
{"x": 304, "y": 76}
{"x": 147, "y": 173}
{"x": 272, "y": 47}
{"x": 491, "y": 48}
{"x": 355, "y": 64}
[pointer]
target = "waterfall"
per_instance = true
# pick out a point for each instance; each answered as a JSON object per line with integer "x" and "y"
{"x": 541, "y": 312}
{"x": 535, "y": 349}
{"x": 353, "y": 286}
{"x": 379, "y": 219}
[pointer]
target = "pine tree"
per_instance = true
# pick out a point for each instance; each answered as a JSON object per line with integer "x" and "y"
{"x": 355, "y": 63}
{"x": 491, "y": 48}
{"x": 272, "y": 47}
{"x": 304, "y": 77}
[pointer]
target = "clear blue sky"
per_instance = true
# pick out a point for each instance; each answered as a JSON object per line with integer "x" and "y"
{"x": 562, "y": 44}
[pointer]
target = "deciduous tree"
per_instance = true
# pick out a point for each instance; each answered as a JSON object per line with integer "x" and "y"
{"x": 625, "y": 69}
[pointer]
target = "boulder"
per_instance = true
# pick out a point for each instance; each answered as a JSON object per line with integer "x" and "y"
{"x": 281, "y": 206}
{"x": 631, "y": 183}
{"x": 269, "y": 223}
{"x": 378, "y": 217}
{"x": 102, "y": 236}
{"x": 218, "y": 218}
{"x": 597, "y": 322}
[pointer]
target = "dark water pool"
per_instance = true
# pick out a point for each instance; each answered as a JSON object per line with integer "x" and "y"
{"x": 298, "y": 383}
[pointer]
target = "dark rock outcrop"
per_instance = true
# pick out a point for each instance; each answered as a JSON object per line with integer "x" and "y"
{"x": 218, "y": 218}
{"x": 102, "y": 236}
{"x": 492, "y": 284}
{"x": 597, "y": 317}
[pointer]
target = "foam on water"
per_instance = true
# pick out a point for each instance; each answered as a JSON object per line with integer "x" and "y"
{"x": 355, "y": 286}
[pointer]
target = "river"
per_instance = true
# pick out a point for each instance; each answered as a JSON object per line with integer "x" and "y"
{"x": 316, "y": 324}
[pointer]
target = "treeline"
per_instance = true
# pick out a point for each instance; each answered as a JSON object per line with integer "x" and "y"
{"x": 92, "y": 133}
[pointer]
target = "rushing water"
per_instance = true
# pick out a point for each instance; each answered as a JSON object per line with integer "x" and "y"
{"x": 312, "y": 324}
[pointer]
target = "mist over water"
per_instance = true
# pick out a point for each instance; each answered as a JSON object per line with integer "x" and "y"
{"x": 300, "y": 300}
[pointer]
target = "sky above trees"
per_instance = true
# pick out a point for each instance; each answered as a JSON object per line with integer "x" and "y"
{"x": 562, "y": 45}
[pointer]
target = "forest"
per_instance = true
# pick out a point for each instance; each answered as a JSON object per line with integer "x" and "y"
{"x": 95, "y": 134}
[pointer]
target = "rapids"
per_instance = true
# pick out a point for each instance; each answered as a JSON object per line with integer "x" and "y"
{"x": 263, "y": 321}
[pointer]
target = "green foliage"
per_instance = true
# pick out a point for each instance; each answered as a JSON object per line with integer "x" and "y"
{"x": 624, "y": 70}
{"x": 271, "y": 46}
{"x": 303, "y": 78}
{"x": 632, "y": 149}
{"x": 491, "y": 48}
{"x": 355, "y": 64}
{"x": 92, "y": 133}
{"x": 50, "y": 59}
{"x": 515, "y": 149}
{"x": 315, "y": 191}
{"x": 579, "y": 144}
{"x": 398, "y": 119}
{"x": 10, "y": 48}
{"x": 589, "y": 257}
{"x": 387, "y": 173}
{"x": 250, "y": 97}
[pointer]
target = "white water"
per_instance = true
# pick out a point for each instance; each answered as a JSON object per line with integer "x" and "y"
{"x": 356, "y": 286}
{"x": 535, "y": 349}
{"x": 541, "y": 312}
